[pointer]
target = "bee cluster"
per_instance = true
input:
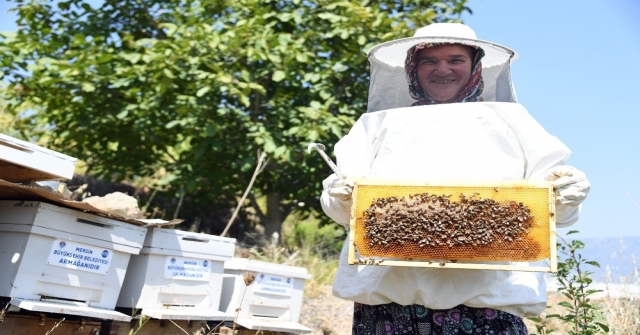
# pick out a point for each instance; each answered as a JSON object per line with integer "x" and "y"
{"x": 369, "y": 261}
{"x": 428, "y": 220}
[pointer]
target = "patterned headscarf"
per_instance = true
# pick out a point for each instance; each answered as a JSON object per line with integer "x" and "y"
{"x": 470, "y": 92}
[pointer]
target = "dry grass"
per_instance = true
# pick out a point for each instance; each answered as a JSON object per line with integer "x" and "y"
{"x": 621, "y": 302}
{"x": 326, "y": 314}
{"x": 623, "y": 315}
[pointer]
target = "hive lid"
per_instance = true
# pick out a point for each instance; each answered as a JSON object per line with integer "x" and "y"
{"x": 23, "y": 161}
{"x": 169, "y": 241}
{"x": 69, "y": 307}
{"x": 245, "y": 264}
{"x": 272, "y": 325}
{"x": 12, "y": 191}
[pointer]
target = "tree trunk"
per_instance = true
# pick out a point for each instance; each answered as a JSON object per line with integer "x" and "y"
{"x": 273, "y": 217}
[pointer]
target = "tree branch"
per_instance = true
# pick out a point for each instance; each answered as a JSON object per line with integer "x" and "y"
{"x": 257, "y": 171}
{"x": 152, "y": 22}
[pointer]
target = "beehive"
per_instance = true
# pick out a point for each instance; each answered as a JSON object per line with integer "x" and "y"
{"x": 458, "y": 225}
{"x": 177, "y": 275}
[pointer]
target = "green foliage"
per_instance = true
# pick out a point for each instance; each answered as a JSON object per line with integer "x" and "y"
{"x": 325, "y": 241}
{"x": 20, "y": 123}
{"x": 142, "y": 320}
{"x": 583, "y": 316}
{"x": 195, "y": 89}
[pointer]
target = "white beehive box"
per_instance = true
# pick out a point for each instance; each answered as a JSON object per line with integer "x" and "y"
{"x": 60, "y": 260}
{"x": 272, "y": 302}
{"x": 178, "y": 275}
{"x": 23, "y": 161}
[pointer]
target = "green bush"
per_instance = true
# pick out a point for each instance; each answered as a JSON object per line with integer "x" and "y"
{"x": 324, "y": 240}
{"x": 582, "y": 315}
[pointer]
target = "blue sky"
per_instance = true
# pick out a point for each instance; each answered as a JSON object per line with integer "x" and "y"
{"x": 579, "y": 75}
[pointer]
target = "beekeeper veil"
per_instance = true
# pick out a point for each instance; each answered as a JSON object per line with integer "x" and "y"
{"x": 389, "y": 87}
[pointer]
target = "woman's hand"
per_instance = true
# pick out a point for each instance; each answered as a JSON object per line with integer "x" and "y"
{"x": 570, "y": 185}
{"x": 341, "y": 189}
{"x": 336, "y": 199}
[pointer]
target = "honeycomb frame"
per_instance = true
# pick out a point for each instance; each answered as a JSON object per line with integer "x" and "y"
{"x": 538, "y": 243}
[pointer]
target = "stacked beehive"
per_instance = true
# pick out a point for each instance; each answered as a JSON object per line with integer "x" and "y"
{"x": 57, "y": 259}
{"x": 65, "y": 257}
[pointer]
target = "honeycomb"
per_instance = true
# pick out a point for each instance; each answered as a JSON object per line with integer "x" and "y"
{"x": 505, "y": 221}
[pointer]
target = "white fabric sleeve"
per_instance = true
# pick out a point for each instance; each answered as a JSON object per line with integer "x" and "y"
{"x": 566, "y": 215}
{"x": 543, "y": 152}
{"x": 336, "y": 209}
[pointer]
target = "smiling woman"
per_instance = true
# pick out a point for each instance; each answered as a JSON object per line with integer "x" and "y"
{"x": 443, "y": 70}
{"x": 436, "y": 113}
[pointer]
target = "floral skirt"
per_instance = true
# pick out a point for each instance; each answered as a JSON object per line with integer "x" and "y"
{"x": 393, "y": 319}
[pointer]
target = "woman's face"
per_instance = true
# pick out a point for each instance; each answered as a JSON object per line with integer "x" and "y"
{"x": 443, "y": 70}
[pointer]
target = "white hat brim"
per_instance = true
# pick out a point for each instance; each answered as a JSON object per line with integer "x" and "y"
{"x": 394, "y": 52}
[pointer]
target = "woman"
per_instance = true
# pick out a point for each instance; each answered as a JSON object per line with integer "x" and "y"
{"x": 464, "y": 124}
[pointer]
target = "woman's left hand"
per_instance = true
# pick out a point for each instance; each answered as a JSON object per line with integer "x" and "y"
{"x": 570, "y": 185}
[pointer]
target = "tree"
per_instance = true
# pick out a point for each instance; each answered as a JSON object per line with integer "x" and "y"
{"x": 192, "y": 90}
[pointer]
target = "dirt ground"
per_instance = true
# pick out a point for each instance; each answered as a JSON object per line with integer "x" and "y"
{"x": 326, "y": 314}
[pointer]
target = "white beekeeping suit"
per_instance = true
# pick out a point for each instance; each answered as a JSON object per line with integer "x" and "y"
{"x": 492, "y": 140}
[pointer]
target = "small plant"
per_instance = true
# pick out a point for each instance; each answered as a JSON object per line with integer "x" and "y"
{"x": 141, "y": 321}
{"x": 56, "y": 325}
{"x": 583, "y": 316}
{"x": 249, "y": 277}
{"x": 3, "y": 312}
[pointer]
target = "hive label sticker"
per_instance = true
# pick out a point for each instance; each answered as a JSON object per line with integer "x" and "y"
{"x": 187, "y": 268}
{"x": 79, "y": 256}
{"x": 272, "y": 284}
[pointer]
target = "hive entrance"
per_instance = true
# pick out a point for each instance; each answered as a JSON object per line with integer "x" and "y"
{"x": 506, "y": 221}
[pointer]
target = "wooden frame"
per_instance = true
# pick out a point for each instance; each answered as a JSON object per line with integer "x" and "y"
{"x": 552, "y": 263}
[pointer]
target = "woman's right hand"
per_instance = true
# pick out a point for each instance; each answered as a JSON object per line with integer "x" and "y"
{"x": 336, "y": 199}
{"x": 341, "y": 189}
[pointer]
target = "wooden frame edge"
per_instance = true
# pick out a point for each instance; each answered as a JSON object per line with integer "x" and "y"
{"x": 352, "y": 228}
{"x": 553, "y": 252}
{"x": 553, "y": 260}
{"x": 449, "y": 265}
{"x": 451, "y": 183}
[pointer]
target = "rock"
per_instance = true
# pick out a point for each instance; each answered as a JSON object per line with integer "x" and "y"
{"x": 116, "y": 203}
